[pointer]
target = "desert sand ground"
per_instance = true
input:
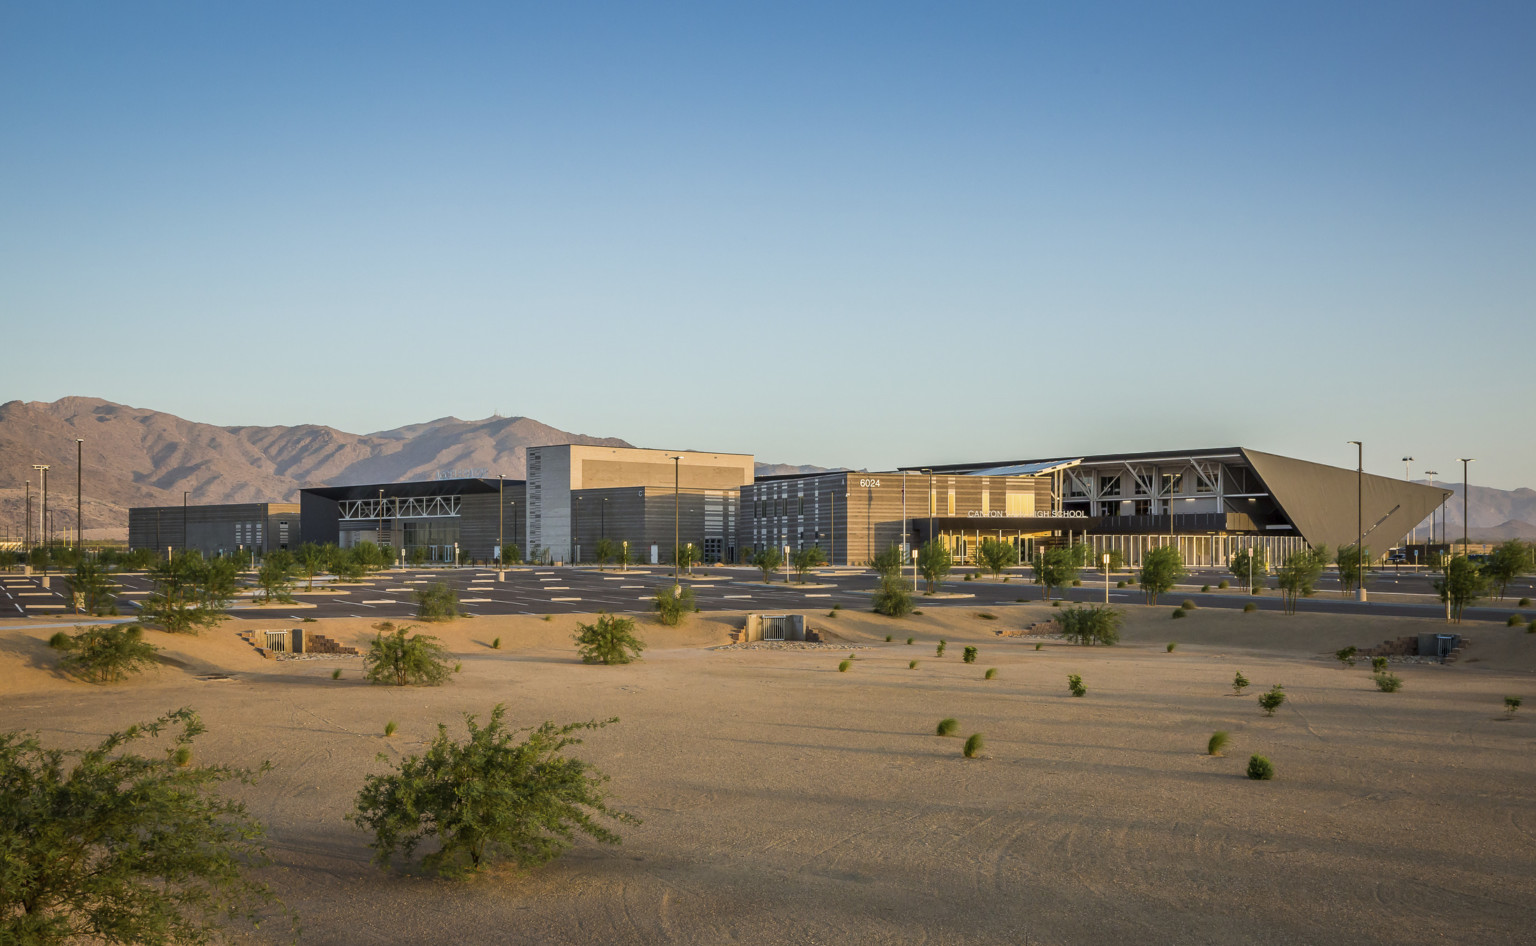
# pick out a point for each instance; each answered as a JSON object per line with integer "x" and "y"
{"x": 784, "y": 802}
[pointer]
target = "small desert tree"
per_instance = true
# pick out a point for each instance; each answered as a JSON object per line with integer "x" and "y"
{"x": 605, "y": 551}
{"x": 393, "y": 658}
{"x": 310, "y": 560}
{"x": 806, "y": 559}
{"x": 1353, "y": 563}
{"x": 1463, "y": 584}
{"x": 437, "y": 602}
{"x": 1161, "y": 568}
{"x": 687, "y": 556}
{"x": 275, "y": 577}
{"x": 1509, "y": 561}
{"x": 1249, "y": 567}
{"x": 608, "y": 640}
{"x": 673, "y": 604}
{"x": 768, "y": 559}
{"x": 189, "y": 593}
{"x": 1054, "y": 568}
{"x": 92, "y": 588}
{"x": 104, "y": 845}
{"x": 1298, "y": 577}
{"x": 996, "y": 555}
{"x": 491, "y": 795}
{"x": 934, "y": 561}
{"x": 888, "y": 564}
{"x": 104, "y": 654}
{"x": 892, "y": 598}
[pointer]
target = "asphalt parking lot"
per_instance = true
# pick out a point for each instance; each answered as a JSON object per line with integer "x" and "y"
{"x": 566, "y": 590}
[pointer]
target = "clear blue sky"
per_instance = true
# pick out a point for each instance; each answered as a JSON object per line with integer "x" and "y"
{"x": 844, "y": 234}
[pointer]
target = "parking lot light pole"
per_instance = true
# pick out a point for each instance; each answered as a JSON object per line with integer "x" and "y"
{"x": 1360, "y": 517}
{"x": 1464, "y": 462}
{"x": 501, "y": 528}
{"x": 1413, "y": 531}
{"x": 676, "y": 536}
{"x": 79, "y": 526}
{"x": 1106, "y": 577}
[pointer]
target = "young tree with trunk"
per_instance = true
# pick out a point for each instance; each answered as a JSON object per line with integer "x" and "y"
{"x": 934, "y": 562}
{"x": 189, "y": 593}
{"x": 1509, "y": 561}
{"x": 996, "y": 555}
{"x": 1161, "y": 569}
{"x": 1463, "y": 584}
{"x": 1054, "y": 568}
{"x": 1353, "y": 563}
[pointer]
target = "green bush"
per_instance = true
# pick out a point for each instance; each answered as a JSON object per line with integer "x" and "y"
{"x": 489, "y": 796}
{"x": 1120, "y": 584}
{"x": 973, "y": 745}
{"x": 1224, "y": 584}
{"x": 947, "y": 726}
{"x": 496, "y": 644}
{"x": 393, "y": 658}
{"x": 1271, "y": 700}
{"x": 939, "y": 651}
{"x": 985, "y": 616}
{"x": 1205, "y": 588}
{"x": 1187, "y": 605}
{"x": 1075, "y": 684}
{"x": 887, "y": 638}
{"x": 892, "y": 598}
{"x": 969, "y": 656}
{"x": 389, "y": 728}
{"x": 336, "y": 674}
{"x": 991, "y": 672}
{"x": 1387, "y": 682}
{"x": 104, "y": 654}
{"x": 1346, "y": 656}
{"x": 1217, "y": 742}
{"x": 1055, "y": 604}
{"x": 437, "y": 602}
{"x": 1378, "y": 664}
{"x": 910, "y": 640}
{"x": 1178, "y": 613}
{"x": 1514, "y": 620}
{"x": 608, "y": 640}
{"x": 1524, "y": 603}
{"x": 911, "y": 665}
{"x": 1239, "y": 683}
{"x": 1090, "y": 625}
{"x": 844, "y": 665}
{"x": 1511, "y": 703}
{"x": 1260, "y": 769}
{"x": 1250, "y": 607}
{"x": 672, "y": 604}
{"x": 1172, "y": 646}
{"x": 1038, "y": 645}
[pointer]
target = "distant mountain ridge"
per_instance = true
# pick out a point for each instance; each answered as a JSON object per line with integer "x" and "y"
{"x": 139, "y": 457}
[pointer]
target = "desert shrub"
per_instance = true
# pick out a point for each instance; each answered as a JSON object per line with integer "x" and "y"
{"x": 1178, "y": 613}
{"x": 844, "y": 665}
{"x": 939, "y": 651}
{"x": 1120, "y": 584}
{"x": 393, "y": 658}
{"x": 969, "y": 656}
{"x": 991, "y": 672}
{"x": 1038, "y": 645}
{"x": 336, "y": 674}
{"x": 1271, "y": 699}
{"x": 1239, "y": 683}
{"x": 1250, "y": 607}
{"x": 1531, "y": 629}
{"x": 548, "y": 617}
{"x": 892, "y": 598}
{"x": 496, "y": 644}
{"x": 1378, "y": 664}
{"x": 973, "y": 745}
{"x": 911, "y": 665}
{"x": 492, "y": 795}
{"x": 966, "y": 576}
{"x": 610, "y": 639}
{"x": 104, "y": 845}
{"x": 1387, "y": 682}
{"x": 918, "y": 611}
{"x": 189, "y": 593}
{"x": 837, "y": 607}
{"x": 1260, "y": 768}
{"x": 1187, "y": 604}
{"x": 1055, "y": 604}
{"x": 1346, "y": 656}
{"x": 1224, "y": 584}
{"x": 1511, "y": 703}
{"x": 1514, "y": 620}
{"x": 887, "y": 638}
{"x": 672, "y": 604}
{"x": 947, "y": 726}
{"x": 985, "y": 616}
{"x": 436, "y": 602}
{"x": 1077, "y": 583}
{"x": 1205, "y": 588}
{"x": 1172, "y": 646}
{"x": 390, "y": 727}
{"x": 1524, "y": 603}
{"x": 104, "y": 654}
{"x": 910, "y": 640}
{"x": 1075, "y": 684}
{"x": 1090, "y": 625}
{"x": 1217, "y": 742}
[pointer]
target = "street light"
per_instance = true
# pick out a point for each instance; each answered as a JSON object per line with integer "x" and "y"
{"x": 676, "y": 536}
{"x": 914, "y": 571}
{"x": 1360, "y": 517}
{"x": 933, "y": 501}
{"x": 381, "y": 524}
{"x": 184, "y": 519}
{"x": 501, "y": 527}
{"x": 1106, "y": 577}
{"x": 1464, "y": 462}
{"x": 79, "y": 526}
{"x": 1432, "y": 474}
{"x": 1413, "y": 530}
{"x": 42, "y": 521}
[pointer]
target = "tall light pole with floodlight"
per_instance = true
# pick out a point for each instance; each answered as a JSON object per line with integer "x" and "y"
{"x": 1464, "y": 462}
{"x": 1413, "y": 530}
{"x": 1360, "y": 518}
{"x": 676, "y": 535}
{"x": 79, "y": 526}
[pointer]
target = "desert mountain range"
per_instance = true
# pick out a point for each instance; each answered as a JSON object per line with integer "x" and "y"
{"x": 139, "y": 457}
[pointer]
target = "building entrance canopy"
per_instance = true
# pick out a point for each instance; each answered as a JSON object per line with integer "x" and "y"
{"x": 1008, "y": 525}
